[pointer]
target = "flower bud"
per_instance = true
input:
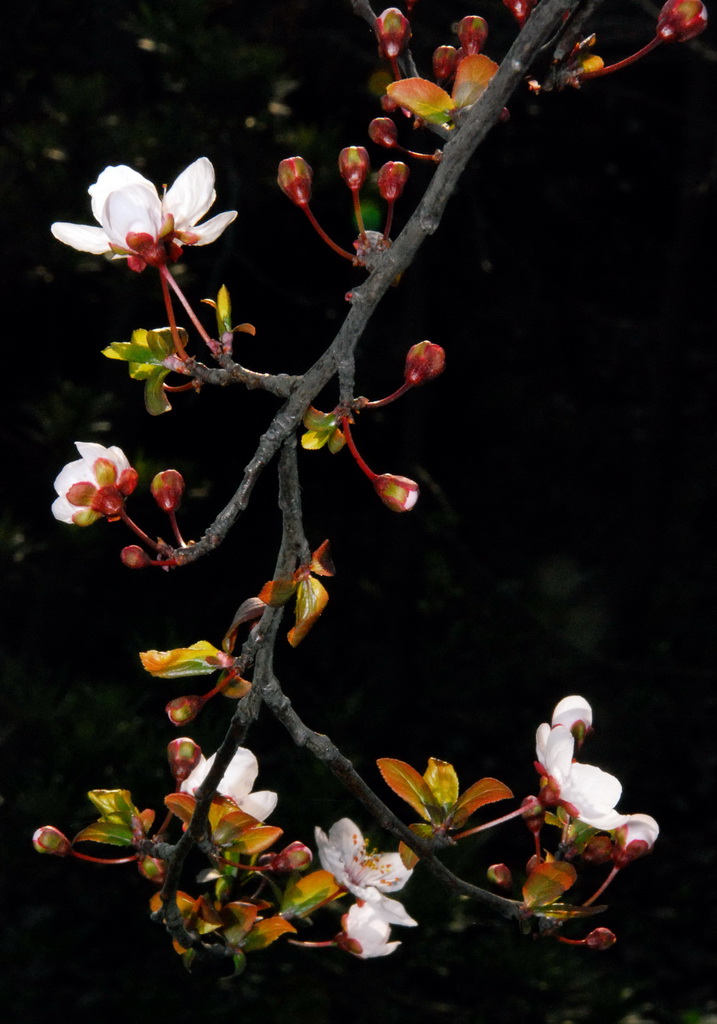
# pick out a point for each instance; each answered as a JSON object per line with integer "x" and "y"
{"x": 354, "y": 166}
{"x": 500, "y": 875}
{"x": 392, "y": 179}
{"x": 424, "y": 362}
{"x": 445, "y": 59}
{"x": 397, "y": 492}
{"x": 127, "y": 481}
{"x": 600, "y": 938}
{"x": 472, "y": 32}
{"x": 598, "y": 850}
{"x": 184, "y": 709}
{"x": 393, "y": 31}
{"x": 533, "y": 815}
{"x": 383, "y": 132}
{"x": 388, "y": 104}
{"x": 49, "y": 839}
{"x": 153, "y": 869}
{"x": 134, "y": 557}
{"x": 681, "y": 20}
{"x": 294, "y": 179}
{"x": 294, "y": 857}
{"x": 634, "y": 838}
{"x": 520, "y": 9}
{"x": 167, "y": 489}
{"x": 183, "y": 755}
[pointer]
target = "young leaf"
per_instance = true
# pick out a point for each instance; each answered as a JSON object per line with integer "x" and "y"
{"x": 442, "y": 781}
{"x": 472, "y": 78}
{"x": 196, "y": 660}
{"x": 267, "y": 931}
{"x": 111, "y": 832}
{"x": 277, "y": 592}
{"x": 409, "y": 785}
{"x": 547, "y": 882}
{"x": 311, "y": 599}
{"x": 485, "y": 791}
{"x": 321, "y": 562}
{"x": 422, "y": 98}
{"x": 155, "y": 397}
{"x": 308, "y": 893}
{"x": 181, "y": 804}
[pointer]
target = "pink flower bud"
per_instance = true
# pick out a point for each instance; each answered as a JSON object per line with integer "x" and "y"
{"x": 134, "y": 557}
{"x": 392, "y": 179}
{"x": 127, "y": 481}
{"x": 167, "y": 489}
{"x": 183, "y": 755}
{"x": 153, "y": 869}
{"x": 354, "y": 166}
{"x": 393, "y": 31}
{"x": 634, "y": 838}
{"x": 424, "y": 362}
{"x": 294, "y": 178}
{"x": 383, "y": 132}
{"x": 533, "y": 815}
{"x": 472, "y": 32}
{"x": 294, "y": 857}
{"x": 681, "y": 20}
{"x": 49, "y": 839}
{"x": 600, "y": 938}
{"x": 445, "y": 59}
{"x": 184, "y": 709}
{"x": 520, "y": 9}
{"x": 397, "y": 492}
{"x": 500, "y": 875}
{"x": 598, "y": 850}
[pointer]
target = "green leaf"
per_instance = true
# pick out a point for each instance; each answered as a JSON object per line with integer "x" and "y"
{"x": 423, "y": 98}
{"x": 547, "y": 882}
{"x": 442, "y": 780}
{"x": 308, "y": 893}
{"x": 485, "y": 791}
{"x": 410, "y": 786}
{"x": 314, "y": 419}
{"x": 155, "y": 397}
{"x": 312, "y": 440}
{"x": 267, "y": 931}
{"x": 472, "y": 78}
{"x": 197, "y": 660}
{"x": 311, "y": 599}
{"x": 112, "y": 832}
{"x": 336, "y": 441}
{"x": 277, "y": 592}
{"x": 114, "y": 805}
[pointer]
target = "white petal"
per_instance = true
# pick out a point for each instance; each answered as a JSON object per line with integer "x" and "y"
{"x": 639, "y": 826}
{"x": 347, "y": 838}
{"x": 133, "y": 208}
{"x": 572, "y": 709}
{"x": 63, "y": 510}
{"x": 542, "y": 736}
{"x": 197, "y": 775}
{"x": 77, "y": 472}
{"x": 82, "y": 236}
{"x": 191, "y": 195}
{"x": 389, "y": 910}
{"x": 369, "y": 930}
{"x": 559, "y": 754}
{"x": 260, "y": 804}
{"x": 212, "y": 229}
{"x": 112, "y": 179}
{"x": 386, "y": 871}
{"x": 240, "y": 775}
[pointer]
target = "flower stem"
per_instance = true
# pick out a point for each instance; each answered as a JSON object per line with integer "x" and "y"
{"x": 390, "y": 398}
{"x": 175, "y": 528}
{"x": 489, "y": 824}
{"x": 346, "y": 429}
{"x": 181, "y": 351}
{"x": 209, "y": 342}
{"x": 322, "y": 234}
{"x": 603, "y": 887}
{"x": 623, "y": 63}
{"x": 358, "y": 213}
{"x": 138, "y": 530}
{"x": 103, "y": 860}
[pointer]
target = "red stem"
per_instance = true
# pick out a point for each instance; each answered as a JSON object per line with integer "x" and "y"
{"x": 175, "y": 528}
{"x": 390, "y": 398}
{"x": 103, "y": 860}
{"x": 358, "y": 212}
{"x": 490, "y": 824}
{"x": 181, "y": 351}
{"x": 209, "y": 342}
{"x": 322, "y": 234}
{"x": 623, "y": 63}
{"x": 345, "y": 427}
{"x": 603, "y": 887}
{"x": 389, "y": 218}
{"x": 138, "y": 530}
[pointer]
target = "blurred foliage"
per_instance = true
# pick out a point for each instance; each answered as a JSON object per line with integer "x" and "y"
{"x": 564, "y": 541}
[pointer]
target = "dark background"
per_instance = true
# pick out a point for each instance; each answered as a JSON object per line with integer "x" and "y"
{"x": 564, "y": 541}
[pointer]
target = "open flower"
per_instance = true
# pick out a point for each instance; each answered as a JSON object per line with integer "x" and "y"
{"x": 137, "y": 223}
{"x": 572, "y": 711}
{"x": 93, "y": 486}
{"x": 586, "y": 792}
{"x": 365, "y": 932}
{"x": 635, "y": 836}
{"x": 236, "y": 783}
{"x": 368, "y": 875}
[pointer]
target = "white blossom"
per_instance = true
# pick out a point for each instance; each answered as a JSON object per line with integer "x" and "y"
{"x": 369, "y": 929}
{"x": 637, "y": 828}
{"x": 236, "y": 783}
{"x": 125, "y": 203}
{"x": 571, "y": 710}
{"x": 366, "y": 874}
{"x": 87, "y": 470}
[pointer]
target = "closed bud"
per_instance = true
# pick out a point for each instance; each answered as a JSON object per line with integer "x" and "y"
{"x": 392, "y": 179}
{"x": 49, "y": 839}
{"x": 134, "y": 557}
{"x": 383, "y": 132}
{"x": 472, "y": 32}
{"x": 424, "y": 362}
{"x": 598, "y": 850}
{"x": 153, "y": 869}
{"x": 600, "y": 938}
{"x": 500, "y": 875}
{"x": 445, "y": 59}
{"x": 393, "y": 31}
{"x": 167, "y": 489}
{"x": 533, "y": 815}
{"x": 127, "y": 481}
{"x": 184, "y": 709}
{"x": 183, "y": 755}
{"x": 294, "y": 179}
{"x": 681, "y": 20}
{"x": 397, "y": 492}
{"x": 294, "y": 857}
{"x": 354, "y": 166}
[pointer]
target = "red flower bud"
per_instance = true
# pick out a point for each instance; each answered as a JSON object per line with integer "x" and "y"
{"x": 393, "y": 31}
{"x": 472, "y": 32}
{"x": 600, "y": 938}
{"x": 128, "y": 481}
{"x": 391, "y": 179}
{"x": 184, "y": 709}
{"x": 520, "y": 9}
{"x": 167, "y": 489}
{"x": 183, "y": 755}
{"x": 134, "y": 557}
{"x": 534, "y": 815}
{"x": 598, "y": 850}
{"x": 396, "y": 492}
{"x": 294, "y": 857}
{"x": 424, "y": 362}
{"x": 294, "y": 179}
{"x": 681, "y": 20}
{"x": 445, "y": 59}
{"x": 500, "y": 875}
{"x": 354, "y": 166}
{"x": 383, "y": 132}
{"x": 49, "y": 839}
{"x": 153, "y": 869}
{"x": 388, "y": 104}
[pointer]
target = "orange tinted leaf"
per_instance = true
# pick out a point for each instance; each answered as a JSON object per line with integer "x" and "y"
{"x": 267, "y": 931}
{"x": 442, "y": 781}
{"x": 472, "y": 77}
{"x": 321, "y": 561}
{"x": 181, "y": 804}
{"x": 237, "y": 688}
{"x": 409, "y": 785}
{"x": 111, "y": 832}
{"x": 547, "y": 882}
{"x": 311, "y": 599}
{"x": 564, "y": 911}
{"x": 239, "y": 919}
{"x": 309, "y": 892}
{"x": 422, "y": 98}
{"x": 485, "y": 791}
{"x": 409, "y": 858}
{"x": 277, "y": 592}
